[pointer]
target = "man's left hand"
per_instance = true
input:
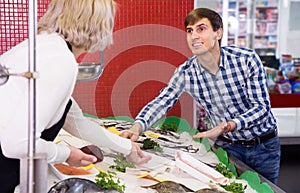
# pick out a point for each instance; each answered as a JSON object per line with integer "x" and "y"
{"x": 224, "y": 127}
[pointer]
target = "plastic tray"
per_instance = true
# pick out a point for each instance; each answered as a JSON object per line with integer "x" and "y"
{"x": 62, "y": 176}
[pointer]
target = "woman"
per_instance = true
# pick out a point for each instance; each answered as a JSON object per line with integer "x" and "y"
{"x": 68, "y": 29}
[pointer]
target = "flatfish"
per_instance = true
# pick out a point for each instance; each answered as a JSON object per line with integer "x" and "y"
{"x": 169, "y": 187}
{"x": 208, "y": 190}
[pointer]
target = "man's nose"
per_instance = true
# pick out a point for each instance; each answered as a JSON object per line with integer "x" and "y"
{"x": 195, "y": 34}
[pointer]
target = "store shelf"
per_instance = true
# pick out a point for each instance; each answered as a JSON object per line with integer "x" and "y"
{"x": 266, "y": 25}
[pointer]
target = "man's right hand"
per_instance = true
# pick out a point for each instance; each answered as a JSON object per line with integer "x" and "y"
{"x": 133, "y": 133}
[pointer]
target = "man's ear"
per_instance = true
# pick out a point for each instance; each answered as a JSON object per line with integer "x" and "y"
{"x": 219, "y": 33}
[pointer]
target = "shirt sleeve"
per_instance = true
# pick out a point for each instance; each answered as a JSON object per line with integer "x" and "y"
{"x": 57, "y": 73}
{"x": 80, "y": 126}
{"x": 258, "y": 95}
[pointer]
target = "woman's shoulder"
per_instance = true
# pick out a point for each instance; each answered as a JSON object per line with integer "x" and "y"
{"x": 50, "y": 39}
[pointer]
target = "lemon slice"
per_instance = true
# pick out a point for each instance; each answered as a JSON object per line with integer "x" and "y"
{"x": 88, "y": 167}
{"x": 113, "y": 130}
{"x": 148, "y": 176}
{"x": 151, "y": 134}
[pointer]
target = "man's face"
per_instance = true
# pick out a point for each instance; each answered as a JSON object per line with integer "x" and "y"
{"x": 201, "y": 38}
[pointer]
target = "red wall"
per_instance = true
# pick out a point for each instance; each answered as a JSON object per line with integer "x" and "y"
{"x": 149, "y": 43}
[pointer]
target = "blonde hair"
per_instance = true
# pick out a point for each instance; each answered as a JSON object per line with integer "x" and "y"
{"x": 85, "y": 24}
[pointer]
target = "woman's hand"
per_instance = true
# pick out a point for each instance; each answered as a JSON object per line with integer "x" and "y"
{"x": 133, "y": 133}
{"x": 79, "y": 158}
{"x": 137, "y": 156}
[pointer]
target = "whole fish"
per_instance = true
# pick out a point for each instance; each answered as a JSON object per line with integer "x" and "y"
{"x": 79, "y": 185}
{"x": 169, "y": 187}
{"x": 208, "y": 190}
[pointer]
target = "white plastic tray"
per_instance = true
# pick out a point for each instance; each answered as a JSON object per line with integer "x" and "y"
{"x": 62, "y": 176}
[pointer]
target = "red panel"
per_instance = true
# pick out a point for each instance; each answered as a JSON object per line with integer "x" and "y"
{"x": 152, "y": 92}
{"x": 135, "y": 64}
{"x": 285, "y": 100}
{"x": 166, "y": 12}
{"x": 134, "y": 74}
{"x": 14, "y": 21}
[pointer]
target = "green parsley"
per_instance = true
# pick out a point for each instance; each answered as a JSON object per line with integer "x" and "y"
{"x": 170, "y": 127}
{"x": 150, "y": 144}
{"x": 121, "y": 164}
{"x": 234, "y": 187}
{"x": 220, "y": 167}
{"x": 106, "y": 181}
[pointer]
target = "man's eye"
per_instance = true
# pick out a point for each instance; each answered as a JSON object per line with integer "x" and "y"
{"x": 189, "y": 31}
{"x": 200, "y": 29}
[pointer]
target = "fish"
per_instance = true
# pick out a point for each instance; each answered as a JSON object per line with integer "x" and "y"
{"x": 79, "y": 185}
{"x": 169, "y": 187}
{"x": 168, "y": 133}
{"x": 208, "y": 190}
{"x": 200, "y": 170}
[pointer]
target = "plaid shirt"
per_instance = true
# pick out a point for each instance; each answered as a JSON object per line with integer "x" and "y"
{"x": 238, "y": 92}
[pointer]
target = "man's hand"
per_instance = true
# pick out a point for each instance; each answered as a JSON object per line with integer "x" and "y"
{"x": 137, "y": 156}
{"x": 224, "y": 127}
{"x": 133, "y": 133}
{"x": 79, "y": 158}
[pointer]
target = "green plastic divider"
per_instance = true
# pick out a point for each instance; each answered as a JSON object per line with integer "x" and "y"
{"x": 251, "y": 177}
{"x": 91, "y": 116}
{"x": 206, "y": 143}
{"x": 254, "y": 181}
{"x": 222, "y": 155}
{"x": 182, "y": 124}
{"x": 121, "y": 118}
{"x": 232, "y": 168}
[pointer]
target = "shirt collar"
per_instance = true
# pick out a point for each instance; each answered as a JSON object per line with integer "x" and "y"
{"x": 223, "y": 60}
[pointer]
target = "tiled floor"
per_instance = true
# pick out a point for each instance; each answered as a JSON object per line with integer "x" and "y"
{"x": 289, "y": 176}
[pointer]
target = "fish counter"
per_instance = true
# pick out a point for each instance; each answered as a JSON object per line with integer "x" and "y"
{"x": 179, "y": 164}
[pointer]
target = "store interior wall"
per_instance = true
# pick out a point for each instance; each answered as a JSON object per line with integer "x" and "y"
{"x": 289, "y": 35}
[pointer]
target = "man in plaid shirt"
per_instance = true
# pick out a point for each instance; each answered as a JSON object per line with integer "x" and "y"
{"x": 230, "y": 84}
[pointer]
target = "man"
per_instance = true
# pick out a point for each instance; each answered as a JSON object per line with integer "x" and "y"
{"x": 230, "y": 84}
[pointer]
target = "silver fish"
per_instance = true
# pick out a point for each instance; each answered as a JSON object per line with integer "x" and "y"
{"x": 79, "y": 185}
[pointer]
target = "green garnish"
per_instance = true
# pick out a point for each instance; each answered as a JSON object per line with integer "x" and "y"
{"x": 150, "y": 144}
{"x": 234, "y": 187}
{"x": 121, "y": 164}
{"x": 106, "y": 181}
{"x": 170, "y": 127}
{"x": 224, "y": 170}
